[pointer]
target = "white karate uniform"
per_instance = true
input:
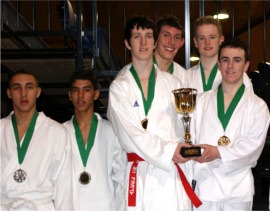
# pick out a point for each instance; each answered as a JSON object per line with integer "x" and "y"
{"x": 229, "y": 180}
{"x": 158, "y": 183}
{"x": 106, "y": 164}
{"x": 47, "y": 163}
{"x": 181, "y": 74}
{"x": 195, "y": 79}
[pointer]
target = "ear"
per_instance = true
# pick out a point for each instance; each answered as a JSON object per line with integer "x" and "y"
{"x": 195, "y": 42}
{"x": 221, "y": 39}
{"x": 8, "y": 93}
{"x": 246, "y": 66}
{"x": 97, "y": 93}
{"x": 38, "y": 92}
{"x": 218, "y": 65}
{"x": 182, "y": 42}
{"x": 127, "y": 45}
{"x": 69, "y": 96}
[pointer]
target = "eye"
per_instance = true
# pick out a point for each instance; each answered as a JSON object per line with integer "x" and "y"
{"x": 224, "y": 60}
{"x": 213, "y": 37}
{"x": 200, "y": 38}
{"x": 237, "y": 60}
{"x": 16, "y": 88}
{"x": 29, "y": 87}
{"x": 74, "y": 89}
{"x": 178, "y": 37}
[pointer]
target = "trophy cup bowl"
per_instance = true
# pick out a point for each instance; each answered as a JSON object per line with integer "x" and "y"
{"x": 185, "y": 101}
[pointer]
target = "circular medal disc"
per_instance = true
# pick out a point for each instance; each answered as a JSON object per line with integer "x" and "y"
{"x": 19, "y": 175}
{"x": 85, "y": 178}
{"x": 144, "y": 123}
{"x": 224, "y": 141}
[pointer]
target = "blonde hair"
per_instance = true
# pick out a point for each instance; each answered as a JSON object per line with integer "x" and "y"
{"x": 205, "y": 20}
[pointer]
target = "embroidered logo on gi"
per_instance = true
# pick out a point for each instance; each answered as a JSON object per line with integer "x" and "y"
{"x": 136, "y": 104}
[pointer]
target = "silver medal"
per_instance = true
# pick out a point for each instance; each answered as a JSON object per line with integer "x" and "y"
{"x": 19, "y": 175}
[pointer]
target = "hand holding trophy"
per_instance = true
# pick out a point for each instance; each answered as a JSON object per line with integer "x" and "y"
{"x": 185, "y": 101}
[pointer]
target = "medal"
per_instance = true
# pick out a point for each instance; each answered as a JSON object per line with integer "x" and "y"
{"x": 144, "y": 123}
{"x": 19, "y": 176}
{"x": 151, "y": 91}
{"x": 85, "y": 178}
{"x": 224, "y": 141}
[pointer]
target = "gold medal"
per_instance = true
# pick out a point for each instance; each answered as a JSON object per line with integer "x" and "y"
{"x": 144, "y": 123}
{"x": 224, "y": 141}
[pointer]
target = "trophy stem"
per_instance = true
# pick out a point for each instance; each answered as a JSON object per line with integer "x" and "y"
{"x": 186, "y": 122}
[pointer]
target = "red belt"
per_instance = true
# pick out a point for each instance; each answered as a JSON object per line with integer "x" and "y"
{"x": 132, "y": 157}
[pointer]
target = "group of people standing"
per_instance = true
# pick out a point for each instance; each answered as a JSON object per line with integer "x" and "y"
{"x": 132, "y": 161}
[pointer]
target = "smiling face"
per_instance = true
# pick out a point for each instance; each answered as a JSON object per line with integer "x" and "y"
{"x": 142, "y": 44}
{"x": 169, "y": 41}
{"x": 82, "y": 95}
{"x": 232, "y": 64}
{"x": 208, "y": 40}
{"x": 23, "y": 90}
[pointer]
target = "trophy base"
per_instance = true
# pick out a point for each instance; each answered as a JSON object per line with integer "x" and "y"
{"x": 191, "y": 151}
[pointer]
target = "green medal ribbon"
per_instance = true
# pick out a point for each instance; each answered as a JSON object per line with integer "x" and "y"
{"x": 151, "y": 88}
{"x": 85, "y": 151}
{"x": 223, "y": 116}
{"x": 21, "y": 150}
{"x": 208, "y": 86}
{"x": 171, "y": 66}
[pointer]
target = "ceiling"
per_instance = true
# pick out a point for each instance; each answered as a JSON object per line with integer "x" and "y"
{"x": 33, "y": 38}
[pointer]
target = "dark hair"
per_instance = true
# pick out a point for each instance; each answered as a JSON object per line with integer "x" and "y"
{"x": 234, "y": 43}
{"x": 171, "y": 21}
{"x": 84, "y": 75}
{"x": 207, "y": 20}
{"x": 24, "y": 72}
{"x": 139, "y": 22}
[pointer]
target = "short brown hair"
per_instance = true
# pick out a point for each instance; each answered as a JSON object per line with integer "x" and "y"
{"x": 206, "y": 20}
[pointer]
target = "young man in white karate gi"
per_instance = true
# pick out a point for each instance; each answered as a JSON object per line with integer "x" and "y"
{"x": 170, "y": 39}
{"x": 207, "y": 38}
{"x": 99, "y": 161}
{"x": 36, "y": 164}
{"x": 142, "y": 112}
{"x": 231, "y": 127}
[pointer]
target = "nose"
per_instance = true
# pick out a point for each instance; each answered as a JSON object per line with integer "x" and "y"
{"x": 143, "y": 40}
{"x": 23, "y": 92}
{"x": 80, "y": 93}
{"x": 230, "y": 64}
{"x": 207, "y": 41}
{"x": 171, "y": 40}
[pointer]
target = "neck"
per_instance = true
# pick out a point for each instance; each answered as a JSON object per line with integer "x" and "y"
{"x": 24, "y": 117}
{"x": 163, "y": 64}
{"x": 208, "y": 63}
{"x": 143, "y": 68}
{"x": 84, "y": 118}
{"x": 230, "y": 89}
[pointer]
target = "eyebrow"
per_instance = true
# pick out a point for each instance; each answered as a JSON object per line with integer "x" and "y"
{"x": 76, "y": 87}
{"x": 18, "y": 84}
{"x": 226, "y": 57}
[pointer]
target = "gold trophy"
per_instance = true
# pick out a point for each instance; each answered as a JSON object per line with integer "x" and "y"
{"x": 185, "y": 101}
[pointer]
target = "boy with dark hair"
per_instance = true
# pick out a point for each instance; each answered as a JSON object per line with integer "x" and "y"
{"x": 231, "y": 126}
{"x": 99, "y": 161}
{"x": 170, "y": 40}
{"x": 141, "y": 110}
{"x": 36, "y": 164}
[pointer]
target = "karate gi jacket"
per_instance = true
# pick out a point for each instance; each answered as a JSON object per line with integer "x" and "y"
{"x": 47, "y": 163}
{"x": 158, "y": 183}
{"x": 195, "y": 79}
{"x": 181, "y": 74}
{"x": 230, "y": 179}
{"x": 106, "y": 164}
